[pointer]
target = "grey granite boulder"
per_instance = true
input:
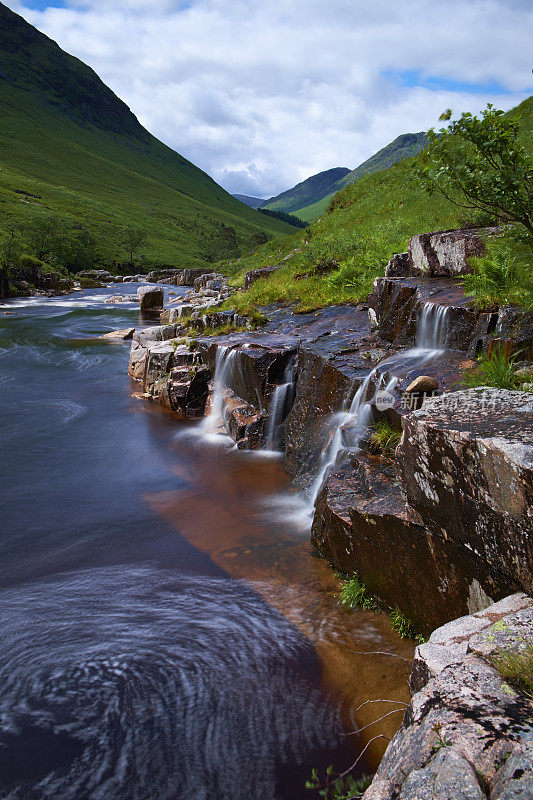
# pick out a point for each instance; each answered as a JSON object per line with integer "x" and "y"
{"x": 151, "y": 298}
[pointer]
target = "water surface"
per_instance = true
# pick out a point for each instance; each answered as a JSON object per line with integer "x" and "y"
{"x": 167, "y": 632}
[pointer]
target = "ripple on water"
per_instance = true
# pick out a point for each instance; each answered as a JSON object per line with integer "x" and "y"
{"x": 149, "y": 684}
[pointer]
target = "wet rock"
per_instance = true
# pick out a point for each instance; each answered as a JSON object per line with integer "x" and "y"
{"x": 446, "y": 253}
{"x": 259, "y": 360}
{"x": 116, "y": 298}
{"x": 101, "y": 275}
{"x": 465, "y": 729}
{"x": 362, "y": 524}
{"x": 424, "y": 383}
{"x": 398, "y": 304}
{"x": 124, "y": 333}
{"x": 150, "y": 298}
{"x": 399, "y": 266}
{"x": 466, "y": 466}
{"x": 255, "y": 274}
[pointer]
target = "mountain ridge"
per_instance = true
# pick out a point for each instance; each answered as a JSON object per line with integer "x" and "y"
{"x": 64, "y": 135}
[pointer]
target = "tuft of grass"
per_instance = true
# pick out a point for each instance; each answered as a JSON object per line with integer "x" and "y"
{"x": 384, "y": 438}
{"x": 339, "y": 787}
{"x": 354, "y": 594}
{"x": 516, "y": 667}
{"x": 403, "y": 626}
{"x": 497, "y": 370}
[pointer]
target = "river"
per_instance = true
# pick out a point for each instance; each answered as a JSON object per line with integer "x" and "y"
{"x": 167, "y": 630}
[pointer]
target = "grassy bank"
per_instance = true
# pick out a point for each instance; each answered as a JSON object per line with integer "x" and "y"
{"x": 337, "y": 257}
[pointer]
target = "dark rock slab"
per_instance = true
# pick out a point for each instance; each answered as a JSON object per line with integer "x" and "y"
{"x": 362, "y": 524}
{"x": 466, "y": 465}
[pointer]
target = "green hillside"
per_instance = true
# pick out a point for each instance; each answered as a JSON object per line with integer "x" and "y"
{"x": 404, "y": 146}
{"x": 307, "y": 192}
{"x": 336, "y": 258}
{"x": 71, "y": 150}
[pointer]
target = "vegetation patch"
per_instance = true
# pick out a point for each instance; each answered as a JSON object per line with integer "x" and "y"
{"x": 516, "y": 667}
{"x": 384, "y": 439}
{"x": 497, "y": 370}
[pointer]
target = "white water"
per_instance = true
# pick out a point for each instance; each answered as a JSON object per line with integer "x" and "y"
{"x": 350, "y": 428}
{"x": 222, "y": 381}
{"x": 432, "y": 327}
{"x": 281, "y": 397}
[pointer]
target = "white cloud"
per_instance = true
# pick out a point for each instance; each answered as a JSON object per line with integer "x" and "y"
{"x": 261, "y": 93}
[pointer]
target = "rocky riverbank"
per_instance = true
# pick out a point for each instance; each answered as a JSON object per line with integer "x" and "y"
{"x": 467, "y": 733}
{"x": 438, "y": 526}
{"x": 441, "y": 526}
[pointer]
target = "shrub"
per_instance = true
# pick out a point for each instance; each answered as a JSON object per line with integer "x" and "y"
{"x": 403, "y": 626}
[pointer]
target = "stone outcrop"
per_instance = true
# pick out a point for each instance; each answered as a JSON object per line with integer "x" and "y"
{"x": 467, "y": 734}
{"x": 449, "y": 519}
{"x": 100, "y": 275}
{"x": 255, "y": 274}
{"x": 124, "y": 333}
{"x": 466, "y": 466}
{"x": 446, "y": 253}
{"x": 151, "y": 298}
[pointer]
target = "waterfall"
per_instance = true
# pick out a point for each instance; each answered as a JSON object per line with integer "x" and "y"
{"x": 280, "y": 402}
{"x": 224, "y": 366}
{"x": 432, "y": 327}
{"x": 351, "y": 427}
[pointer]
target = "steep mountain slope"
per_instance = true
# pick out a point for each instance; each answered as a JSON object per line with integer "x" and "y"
{"x": 309, "y": 191}
{"x": 70, "y": 149}
{"x": 367, "y": 222}
{"x": 404, "y": 146}
{"x": 253, "y": 202}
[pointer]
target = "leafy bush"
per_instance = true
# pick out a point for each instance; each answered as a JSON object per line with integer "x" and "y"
{"x": 480, "y": 164}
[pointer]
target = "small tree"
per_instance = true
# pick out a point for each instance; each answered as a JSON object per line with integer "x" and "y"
{"x": 134, "y": 238}
{"x": 479, "y": 164}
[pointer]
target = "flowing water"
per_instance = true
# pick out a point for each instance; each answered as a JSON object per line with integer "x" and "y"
{"x": 349, "y": 429}
{"x": 165, "y": 633}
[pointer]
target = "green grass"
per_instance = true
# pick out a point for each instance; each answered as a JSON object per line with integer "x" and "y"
{"x": 354, "y": 594}
{"x": 365, "y": 225}
{"x": 403, "y": 627}
{"x": 516, "y": 667}
{"x": 384, "y": 438}
{"x": 504, "y": 275}
{"x": 80, "y": 156}
{"x": 497, "y": 370}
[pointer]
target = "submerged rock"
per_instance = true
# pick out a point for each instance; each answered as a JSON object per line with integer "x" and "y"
{"x": 125, "y": 333}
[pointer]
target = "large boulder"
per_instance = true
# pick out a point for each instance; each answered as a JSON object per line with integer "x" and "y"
{"x": 151, "y": 298}
{"x": 467, "y": 734}
{"x": 466, "y": 465}
{"x": 446, "y": 253}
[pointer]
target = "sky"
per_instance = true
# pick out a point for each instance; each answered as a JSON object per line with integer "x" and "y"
{"x": 261, "y": 94}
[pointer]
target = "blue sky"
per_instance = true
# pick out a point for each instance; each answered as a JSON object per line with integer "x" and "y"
{"x": 263, "y": 93}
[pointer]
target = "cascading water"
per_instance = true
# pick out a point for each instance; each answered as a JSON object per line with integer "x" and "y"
{"x": 282, "y": 397}
{"x": 432, "y": 327}
{"x": 222, "y": 380}
{"x": 350, "y": 428}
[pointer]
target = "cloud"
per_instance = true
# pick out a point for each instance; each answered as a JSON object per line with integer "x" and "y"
{"x": 261, "y": 93}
